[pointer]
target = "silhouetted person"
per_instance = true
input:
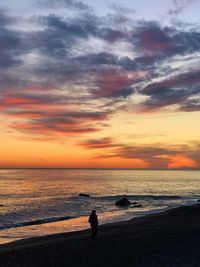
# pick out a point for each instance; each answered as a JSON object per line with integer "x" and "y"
{"x": 93, "y": 220}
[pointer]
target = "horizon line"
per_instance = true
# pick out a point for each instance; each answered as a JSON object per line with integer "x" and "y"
{"x": 68, "y": 168}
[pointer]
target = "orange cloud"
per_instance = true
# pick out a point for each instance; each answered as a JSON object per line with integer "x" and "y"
{"x": 153, "y": 156}
{"x": 49, "y": 114}
{"x": 180, "y": 161}
{"x": 54, "y": 129}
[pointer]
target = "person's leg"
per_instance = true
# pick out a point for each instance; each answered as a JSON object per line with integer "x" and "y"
{"x": 94, "y": 232}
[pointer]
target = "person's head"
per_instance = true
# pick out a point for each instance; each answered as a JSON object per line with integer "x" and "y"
{"x": 93, "y": 212}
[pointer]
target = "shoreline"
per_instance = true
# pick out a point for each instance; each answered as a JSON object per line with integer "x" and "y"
{"x": 60, "y": 226}
{"x": 161, "y": 238}
{"x": 87, "y": 228}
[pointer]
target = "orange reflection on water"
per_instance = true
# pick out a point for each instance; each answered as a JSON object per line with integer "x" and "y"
{"x": 71, "y": 225}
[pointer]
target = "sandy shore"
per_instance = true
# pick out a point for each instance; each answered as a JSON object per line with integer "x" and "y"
{"x": 168, "y": 239}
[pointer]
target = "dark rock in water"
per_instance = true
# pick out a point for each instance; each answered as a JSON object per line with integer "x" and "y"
{"x": 123, "y": 202}
{"x": 134, "y": 203}
{"x": 198, "y": 200}
{"x": 84, "y": 195}
{"x": 137, "y": 206}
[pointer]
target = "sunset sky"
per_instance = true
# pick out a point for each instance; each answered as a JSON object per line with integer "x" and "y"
{"x": 100, "y": 84}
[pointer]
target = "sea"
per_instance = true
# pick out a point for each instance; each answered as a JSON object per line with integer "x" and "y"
{"x": 35, "y": 202}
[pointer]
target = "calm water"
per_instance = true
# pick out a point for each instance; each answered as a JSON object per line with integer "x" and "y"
{"x": 37, "y": 202}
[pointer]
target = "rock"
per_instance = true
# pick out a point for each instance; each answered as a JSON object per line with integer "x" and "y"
{"x": 134, "y": 203}
{"x": 198, "y": 200}
{"x": 137, "y": 206}
{"x": 123, "y": 202}
{"x": 84, "y": 195}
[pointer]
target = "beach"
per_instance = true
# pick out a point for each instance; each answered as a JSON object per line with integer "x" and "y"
{"x": 167, "y": 239}
{"x": 99, "y": 104}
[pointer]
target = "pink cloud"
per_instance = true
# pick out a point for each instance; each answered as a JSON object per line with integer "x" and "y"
{"x": 114, "y": 83}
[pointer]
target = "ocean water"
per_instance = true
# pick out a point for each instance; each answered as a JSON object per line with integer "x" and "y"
{"x": 46, "y": 201}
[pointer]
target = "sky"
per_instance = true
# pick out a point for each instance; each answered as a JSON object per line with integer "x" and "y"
{"x": 100, "y": 84}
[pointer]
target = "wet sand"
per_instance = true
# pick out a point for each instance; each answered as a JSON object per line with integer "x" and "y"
{"x": 168, "y": 239}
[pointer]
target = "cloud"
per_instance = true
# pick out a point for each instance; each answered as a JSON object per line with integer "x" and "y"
{"x": 10, "y": 43}
{"x": 191, "y": 105}
{"x": 57, "y": 123}
{"x": 40, "y": 113}
{"x": 61, "y": 37}
{"x": 103, "y": 143}
{"x": 6, "y": 20}
{"x": 79, "y": 70}
{"x": 164, "y": 42}
{"x": 154, "y": 156}
{"x": 116, "y": 84}
{"x": 179, "y": 6}
{"x": 180, "y": 161}
{"x": 152, "y": 38}
{"x": 176, "y": 90}
{"x": 53, "y": 129}
{"x": 119, "y": 8}
{"x": 77, "y": 5}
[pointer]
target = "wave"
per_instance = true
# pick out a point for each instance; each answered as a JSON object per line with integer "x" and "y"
{"x": 37, "y": 222}
{"x": 146, "y": 197}
{"x": 136, "y": 197}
